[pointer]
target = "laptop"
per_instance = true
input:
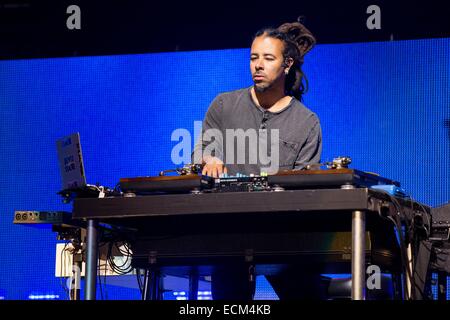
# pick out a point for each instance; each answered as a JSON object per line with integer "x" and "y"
{"x": 71, "y": 162}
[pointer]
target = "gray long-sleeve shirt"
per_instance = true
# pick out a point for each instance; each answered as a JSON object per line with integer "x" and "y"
{"x": 249, "y": 139}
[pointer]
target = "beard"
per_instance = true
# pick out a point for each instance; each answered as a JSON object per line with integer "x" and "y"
{"x": 261, "y": 87}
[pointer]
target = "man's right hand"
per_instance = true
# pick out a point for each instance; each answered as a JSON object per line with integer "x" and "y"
{"x": 213, "y": 167}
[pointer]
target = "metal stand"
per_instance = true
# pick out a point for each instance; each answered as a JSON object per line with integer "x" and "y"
{"x": 75, "y": 289}
{"x": 358, "y": 255}
{"x": 409, "y": 266}
{"x": 251, "y": 281}
{"x": 146, "y": 289}
{"x": 193, "y": 285}
{"x": 91, "y": 260}
{"x": 152, "y": 285}
{"x": 75, "y": 235}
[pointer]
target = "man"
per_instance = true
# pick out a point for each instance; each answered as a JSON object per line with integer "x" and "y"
{"x": 261, "y": 128}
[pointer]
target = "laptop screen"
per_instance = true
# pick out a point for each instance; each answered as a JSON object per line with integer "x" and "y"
{"x": 71, "y": 162}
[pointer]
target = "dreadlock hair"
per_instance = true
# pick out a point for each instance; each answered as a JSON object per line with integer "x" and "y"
{"x": 297, "y": 42}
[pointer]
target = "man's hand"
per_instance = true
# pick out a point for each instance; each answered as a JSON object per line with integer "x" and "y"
{"x": 213, "y": 167}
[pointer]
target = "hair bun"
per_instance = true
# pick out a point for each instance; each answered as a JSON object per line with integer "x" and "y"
{"x": 298, "y": 33}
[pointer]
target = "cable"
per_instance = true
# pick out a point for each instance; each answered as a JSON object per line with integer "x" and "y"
{"x": 112, "y": 240}
{"x": 139, "y": 280}
{"x": 99, "y": 277}
{"x": 125, "y": 267}
{"x": 410, "y": 231}
{"x": 414, "y": 238}
{"x": 104, "y": 281}
{"x": 62, "y": 271}
{"x": 428, "y": 231}
{"x": 403, "y": 250}
{"x": 117, "y": 188}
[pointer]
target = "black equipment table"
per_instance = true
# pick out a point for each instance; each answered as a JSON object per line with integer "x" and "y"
{"x": 266, "y": 227}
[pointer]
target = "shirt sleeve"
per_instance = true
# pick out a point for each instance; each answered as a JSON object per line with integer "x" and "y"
{"x": 311, "y": 151}
{"x": 211, "y": 139}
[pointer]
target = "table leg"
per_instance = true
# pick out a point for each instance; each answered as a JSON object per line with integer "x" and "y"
{"x": 91, "y": 260}
{"x": 358, "y": 255}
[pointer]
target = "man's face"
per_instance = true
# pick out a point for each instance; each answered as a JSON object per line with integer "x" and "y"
{"x": 267, "y": 63}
